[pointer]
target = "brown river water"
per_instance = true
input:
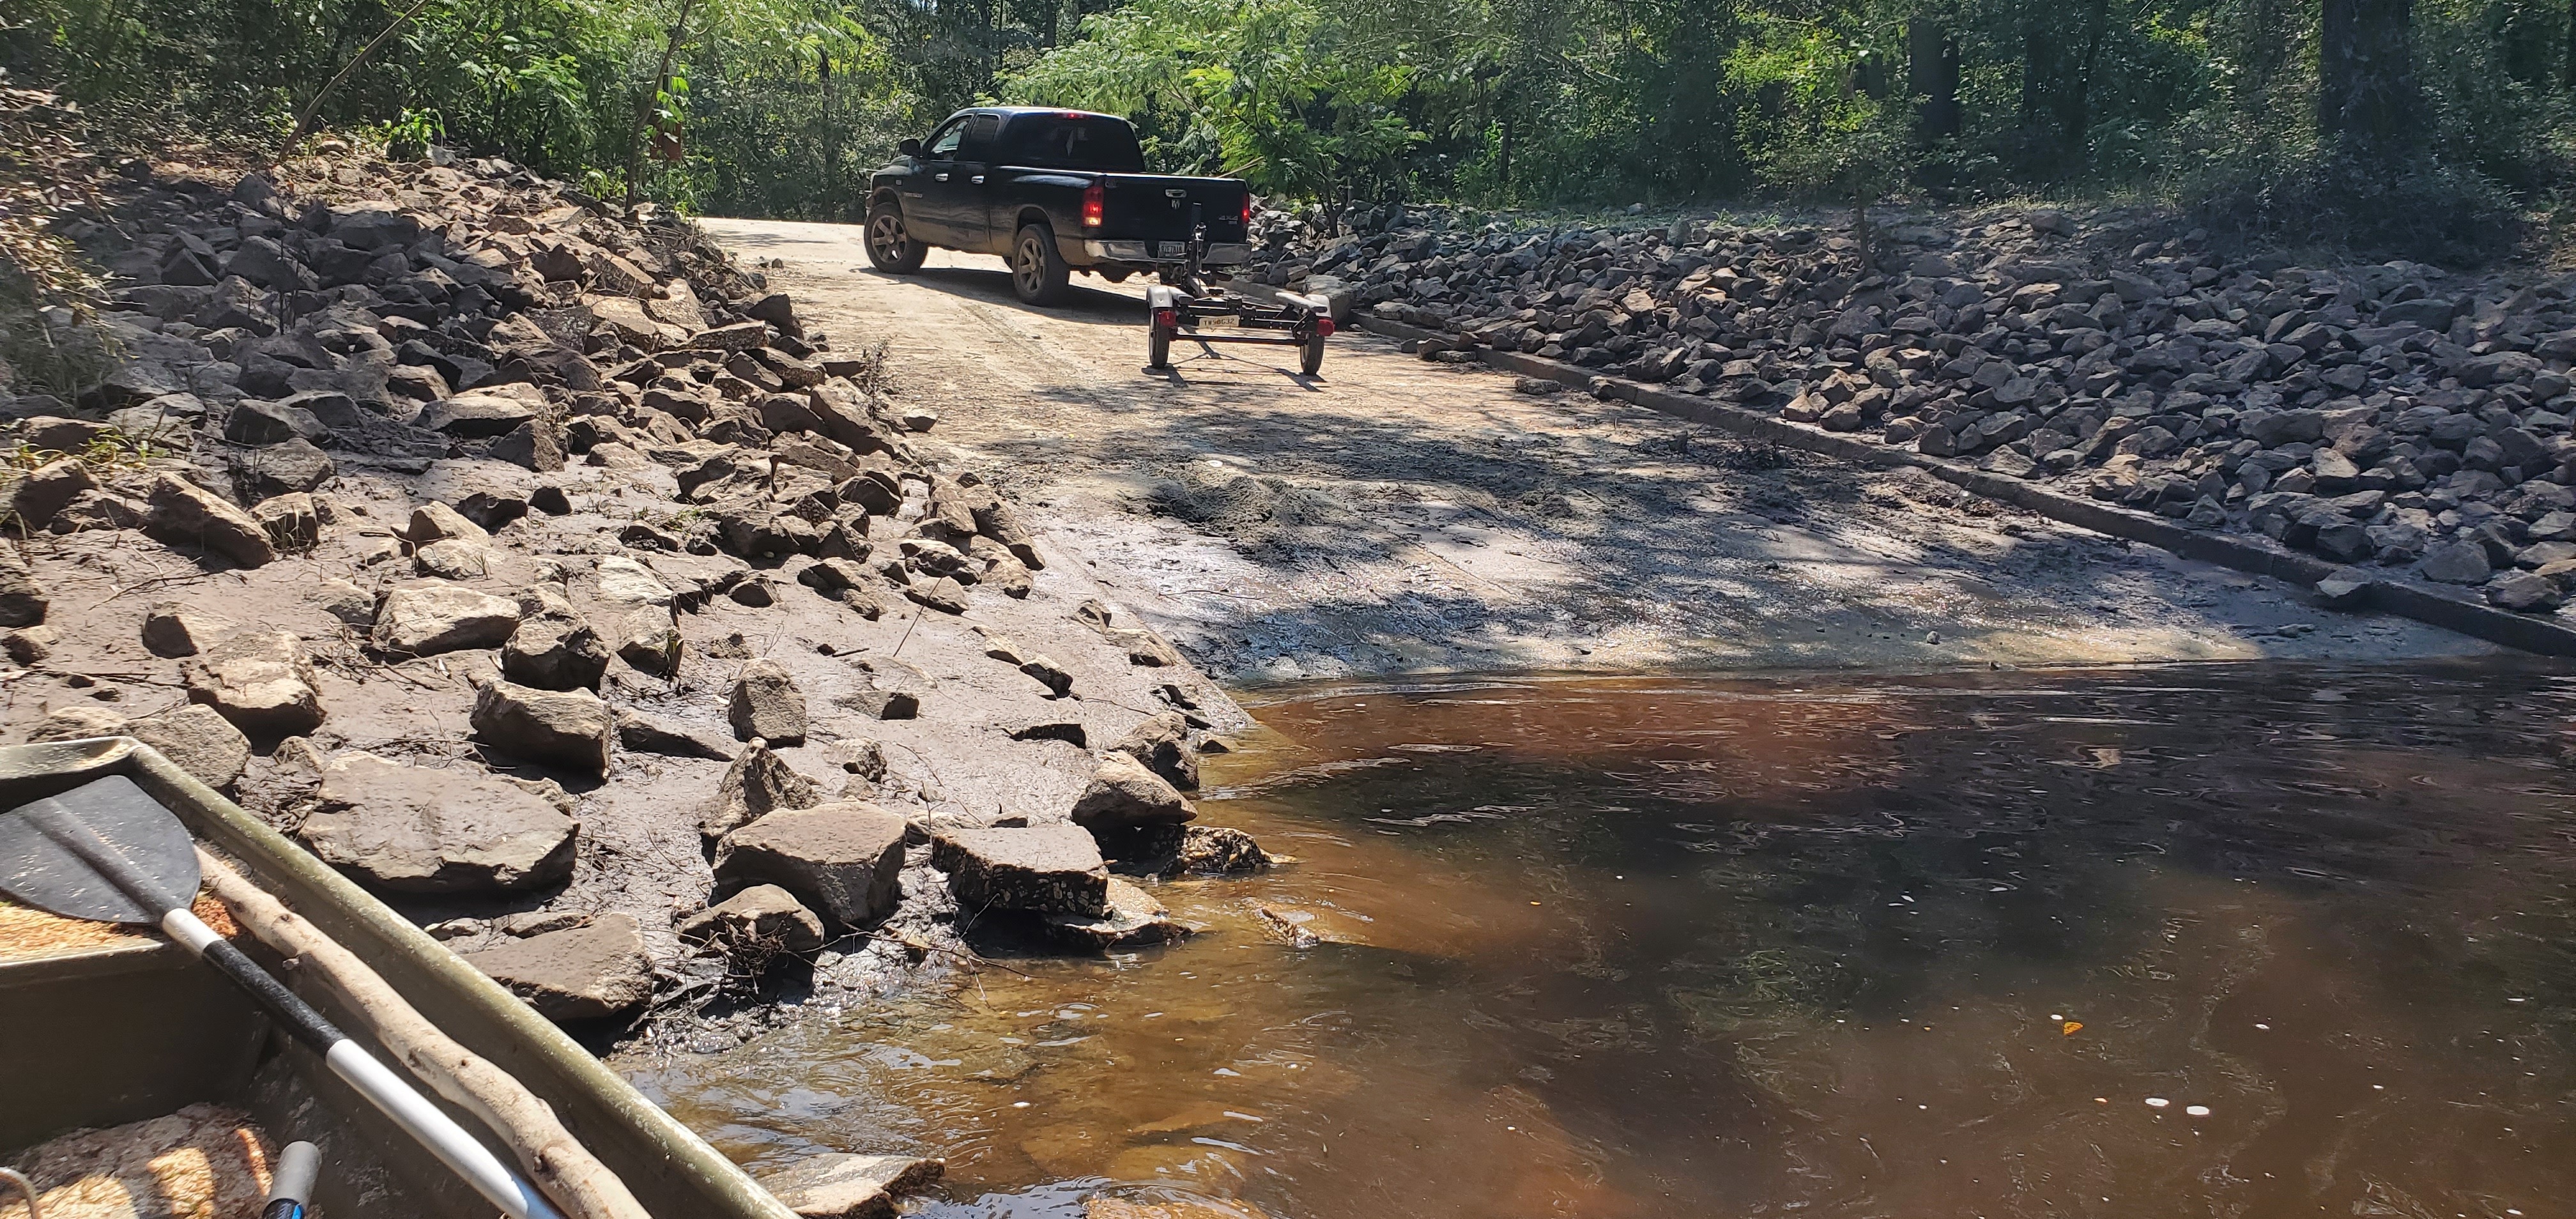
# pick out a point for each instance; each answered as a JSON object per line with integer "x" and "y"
{"x": 2230, "y": 941}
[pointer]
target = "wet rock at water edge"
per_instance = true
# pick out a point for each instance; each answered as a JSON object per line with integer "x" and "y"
{"x": 586, "y": 973}
{"x": 758, "y": 783}
{"x": 767, "y": 705}
{"x": 569, "y": 728}
{"x": 1221, "y": 850}
{"x": 262, "y": 681}
{"x": 841, "y": 1186}
{"x": 1046, "y": 869}
{"x": 1123, "y": 797}
{"x": 1162, "y": 742}
{"x": 1133, "y": 918}
{"x": 845, "y": 860}
{"x": 417, "y": 829}
{"x": 762, "y": 915}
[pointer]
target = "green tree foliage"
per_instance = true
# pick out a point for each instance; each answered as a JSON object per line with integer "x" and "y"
{"x": 2412, "y": 124}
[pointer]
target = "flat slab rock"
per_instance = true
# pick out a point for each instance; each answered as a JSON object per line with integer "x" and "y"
{"x": 1045, "y": 869}
{"x": 1135, "y": 918}
{"x": 842, "y": 1186}
{"x": 413, "y": 829}
{"x": 584, "y": 973}
{"x": 262, "y": 681}
{"x": 844, "y": 860}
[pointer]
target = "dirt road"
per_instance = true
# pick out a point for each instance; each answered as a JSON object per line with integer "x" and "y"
{"x": 1394, "y": 515}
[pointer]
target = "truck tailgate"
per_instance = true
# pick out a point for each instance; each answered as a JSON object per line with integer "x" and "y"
{"x": 1153, "y": 207}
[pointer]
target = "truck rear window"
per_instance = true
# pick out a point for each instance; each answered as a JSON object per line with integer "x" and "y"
{"x": 1053, "y": 141}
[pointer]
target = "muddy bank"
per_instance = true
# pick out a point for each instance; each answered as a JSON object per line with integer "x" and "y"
{"x": 545, "y": 572}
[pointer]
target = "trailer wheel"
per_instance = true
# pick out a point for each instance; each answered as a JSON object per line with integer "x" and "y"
{"x": 1311, "y": 360}
{"x": 1158, "y": 347}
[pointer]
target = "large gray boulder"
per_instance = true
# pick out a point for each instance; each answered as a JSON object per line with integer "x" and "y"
{"x": 584, "y": 973}
{"x": 1047, "y": 869}
{"x": 845, "y": 861}
{"x": 262, "y": 681}
{"x": 569, "y": 728}
{"x": 413, "y": 829}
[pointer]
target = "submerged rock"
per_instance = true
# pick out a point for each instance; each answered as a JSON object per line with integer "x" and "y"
{"x": 842, "y": 1186}
{"x": 1133, "y": 918}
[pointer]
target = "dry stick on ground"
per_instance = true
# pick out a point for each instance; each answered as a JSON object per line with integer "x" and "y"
{"x": 566, "y": 1170}
{"x": 313, "y": 109}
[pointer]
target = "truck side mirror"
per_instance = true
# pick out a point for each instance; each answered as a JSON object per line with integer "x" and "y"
{"x": 909, "y": 148}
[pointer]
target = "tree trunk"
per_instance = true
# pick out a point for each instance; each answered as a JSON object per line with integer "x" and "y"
{"x": 2075, "y": 102}
{"x": 644, "y": 109}
{"x": 1933, "y": 74}
{"x": 2366, "y": 75}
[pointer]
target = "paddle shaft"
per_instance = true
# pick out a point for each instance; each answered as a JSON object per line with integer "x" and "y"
{"x": 429, "y": 1124}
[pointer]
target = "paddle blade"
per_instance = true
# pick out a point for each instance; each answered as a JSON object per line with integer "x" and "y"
{"x": 104, "y": 851}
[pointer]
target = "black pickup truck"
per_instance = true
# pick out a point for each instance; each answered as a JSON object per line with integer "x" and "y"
{"x": 1052, "y": 192}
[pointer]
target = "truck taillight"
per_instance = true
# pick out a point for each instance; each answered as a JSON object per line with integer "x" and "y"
{"x": 1095, "y": 204}
{"x": 1247, "y": 211}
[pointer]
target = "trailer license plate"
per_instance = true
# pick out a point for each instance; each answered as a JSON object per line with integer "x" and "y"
{"x": 1219, "y": 319}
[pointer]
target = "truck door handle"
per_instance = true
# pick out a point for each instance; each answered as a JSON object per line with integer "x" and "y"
{"x": 939, "y": 177}
{"x": 977, "y": 179}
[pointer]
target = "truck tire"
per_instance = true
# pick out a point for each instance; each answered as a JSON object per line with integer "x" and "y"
{"x": 1038, "y": 270}
{"x": 891, "y": 247}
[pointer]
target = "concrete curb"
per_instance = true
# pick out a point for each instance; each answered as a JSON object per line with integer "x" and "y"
{"x": 2455, "y": 610}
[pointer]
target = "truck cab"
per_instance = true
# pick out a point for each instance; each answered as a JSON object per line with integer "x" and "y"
{"x": 1051, "y": 192}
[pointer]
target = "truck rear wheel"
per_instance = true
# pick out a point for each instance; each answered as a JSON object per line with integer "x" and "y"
{"x": 1038, "y": 270}
{"x": 891, "y": 248}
